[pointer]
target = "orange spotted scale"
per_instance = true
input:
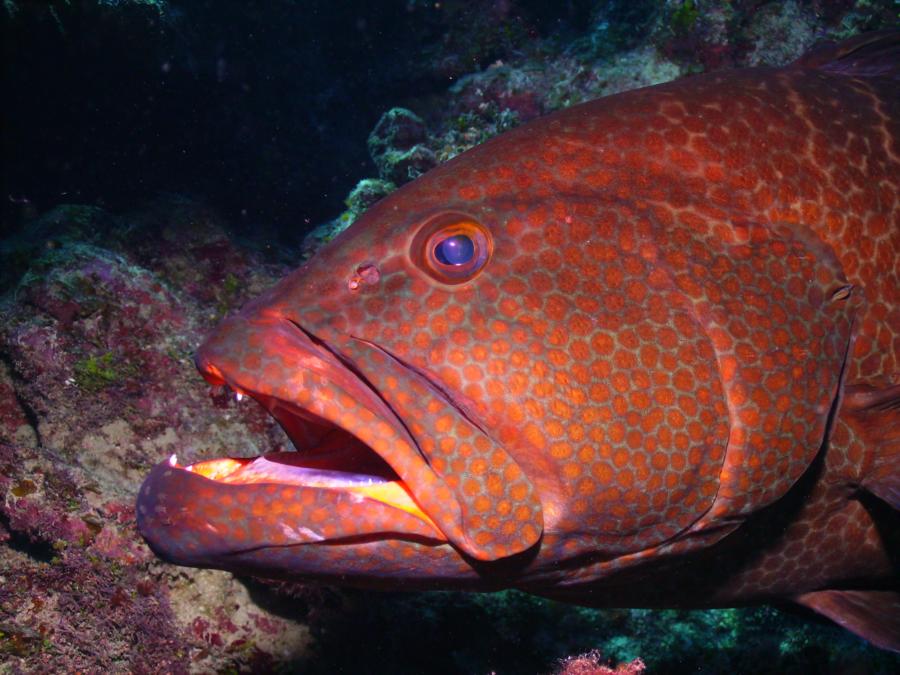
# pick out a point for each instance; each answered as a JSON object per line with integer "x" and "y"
{"x": 641, "y": 352}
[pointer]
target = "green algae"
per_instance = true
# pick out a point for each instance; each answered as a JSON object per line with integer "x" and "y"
{"x": 684, "y": 18}
{"x": 98, "y": 372}
{"x": 228, "y": 294}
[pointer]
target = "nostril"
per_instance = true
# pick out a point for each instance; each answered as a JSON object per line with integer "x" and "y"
{"x": 369, "y": 273}
{"x": 365, "y": 274}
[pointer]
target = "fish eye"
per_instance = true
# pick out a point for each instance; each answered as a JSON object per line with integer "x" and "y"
{"x": 452, "y": 248}
{"x": 456, "y": 250}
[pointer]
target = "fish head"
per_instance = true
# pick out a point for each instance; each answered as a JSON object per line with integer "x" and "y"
{"x": 513, "y": 362}
{"x": 373, "y": 358}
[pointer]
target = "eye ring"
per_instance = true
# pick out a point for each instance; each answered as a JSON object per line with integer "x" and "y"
{"x": 452, "y": 248}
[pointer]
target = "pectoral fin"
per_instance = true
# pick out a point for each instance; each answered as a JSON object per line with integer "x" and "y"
{"x": 873, "y": 615}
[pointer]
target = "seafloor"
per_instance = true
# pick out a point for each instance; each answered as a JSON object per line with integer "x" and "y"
{"x": 164, "y": 163}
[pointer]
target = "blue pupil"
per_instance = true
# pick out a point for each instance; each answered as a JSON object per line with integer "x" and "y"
{"x": 456, "y": 250}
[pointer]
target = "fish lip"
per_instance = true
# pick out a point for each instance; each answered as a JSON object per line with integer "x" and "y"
{"x": 335, "y": 370}
{"x": 172, "y": 515}
{"x": 460, "y": 404}
{"x": 351, "y": 367}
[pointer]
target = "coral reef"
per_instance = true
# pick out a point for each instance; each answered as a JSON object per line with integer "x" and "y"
{"x": 397, "y": 147}
{"x": 511, "y": 632}
{"x": 97, "y": 385}
{"x": 626, "y": 45}
{"x": 591, "y": 663}
{"x": 365, "y": 194}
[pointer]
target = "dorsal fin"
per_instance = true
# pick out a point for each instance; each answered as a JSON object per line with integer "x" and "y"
{"x": 875, "y": 54}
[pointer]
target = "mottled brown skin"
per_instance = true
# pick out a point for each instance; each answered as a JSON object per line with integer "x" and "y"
{"x": 637, "y": 400}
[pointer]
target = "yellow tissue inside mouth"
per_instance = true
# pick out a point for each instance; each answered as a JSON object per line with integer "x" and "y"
{"x": 392, "y": 493}
{"x": 217, "y": 469}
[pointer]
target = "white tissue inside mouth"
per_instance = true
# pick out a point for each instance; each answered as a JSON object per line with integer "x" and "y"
{"x": 283, "y": 467}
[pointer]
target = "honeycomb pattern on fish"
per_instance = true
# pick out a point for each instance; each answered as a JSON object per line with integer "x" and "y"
{"x": 649, "y": 358}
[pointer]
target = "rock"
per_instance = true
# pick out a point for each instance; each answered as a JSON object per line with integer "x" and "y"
{"x": 366, "y": 193}
{"x": 97, "y": 385}
{"x": 61, "y": 225}
{"x": 397, "y": 146}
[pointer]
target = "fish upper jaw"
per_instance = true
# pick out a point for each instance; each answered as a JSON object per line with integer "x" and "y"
{"x": 500, "y": 512}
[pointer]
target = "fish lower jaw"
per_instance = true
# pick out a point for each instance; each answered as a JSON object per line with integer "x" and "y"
{"x": 292, "y": 469}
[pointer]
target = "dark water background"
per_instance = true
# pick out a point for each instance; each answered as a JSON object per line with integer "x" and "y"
{"x": 260, "y": 109}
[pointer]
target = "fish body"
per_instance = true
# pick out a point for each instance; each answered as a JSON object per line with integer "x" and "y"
{"x": 641, "y": 352}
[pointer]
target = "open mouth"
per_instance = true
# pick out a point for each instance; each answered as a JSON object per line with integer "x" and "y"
{"x": 326, "y": 457}
{"x": 354, "y": 457}
{"x": 382, "y": 452}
